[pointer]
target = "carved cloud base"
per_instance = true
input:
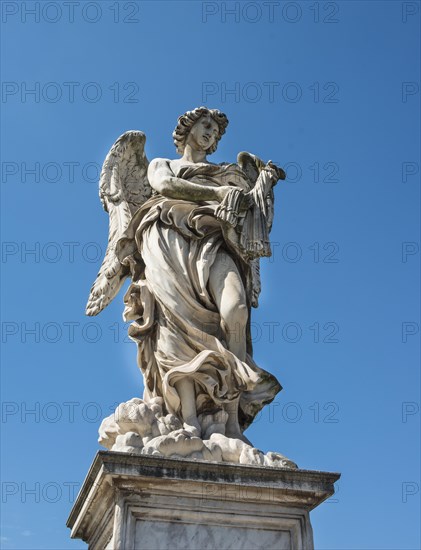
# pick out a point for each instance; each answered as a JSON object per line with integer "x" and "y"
{"x": 142, "y": 428}
{"x": 133, "y": 502}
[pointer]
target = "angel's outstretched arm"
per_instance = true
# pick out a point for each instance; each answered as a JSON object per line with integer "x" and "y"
{"x": 162, "y": 179}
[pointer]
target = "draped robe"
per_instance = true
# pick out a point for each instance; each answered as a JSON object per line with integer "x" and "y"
{"x": 173, "y": 244}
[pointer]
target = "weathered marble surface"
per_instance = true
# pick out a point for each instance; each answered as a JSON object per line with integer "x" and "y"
{"x": 148, "y": 534}
{"x": 148, "y": 502}
{"x": 143, "y": 428}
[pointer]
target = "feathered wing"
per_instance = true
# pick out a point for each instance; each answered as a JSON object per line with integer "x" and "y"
{"x": 123, "y": 188}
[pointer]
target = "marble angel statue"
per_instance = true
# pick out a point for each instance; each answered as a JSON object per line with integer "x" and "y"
{"x": 189, "y": 234}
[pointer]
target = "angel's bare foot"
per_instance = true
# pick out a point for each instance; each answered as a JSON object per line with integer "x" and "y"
{"x": 191, "y": 424}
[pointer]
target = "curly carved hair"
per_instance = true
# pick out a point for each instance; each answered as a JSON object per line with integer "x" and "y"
{"x": 186, "y": 121}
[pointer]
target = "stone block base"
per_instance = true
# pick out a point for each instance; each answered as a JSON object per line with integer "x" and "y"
{"x": 131, "y": 502}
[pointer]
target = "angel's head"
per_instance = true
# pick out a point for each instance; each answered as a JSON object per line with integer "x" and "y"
{"x": 210, "y": 125}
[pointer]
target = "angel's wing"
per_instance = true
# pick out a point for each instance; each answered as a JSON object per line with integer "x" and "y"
{"x": 123, "y": 188}
{"x": 250, "y": 164}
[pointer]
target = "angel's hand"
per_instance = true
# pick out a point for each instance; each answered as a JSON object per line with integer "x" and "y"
{"x": 275, "y": 172}
{"x": 247, "y": 201}
{"x": 222, "y": 192}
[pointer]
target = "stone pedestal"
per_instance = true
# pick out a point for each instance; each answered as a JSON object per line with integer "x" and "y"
{"x": 131, "y": 502}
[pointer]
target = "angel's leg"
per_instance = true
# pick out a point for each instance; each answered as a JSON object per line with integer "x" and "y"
{"x": 185, "y": 389}
{"x": 227, "y": 289}
{"x": 232, "y": 428}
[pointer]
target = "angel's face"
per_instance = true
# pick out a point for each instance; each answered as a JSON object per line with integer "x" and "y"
{"x": 203, "y": 134}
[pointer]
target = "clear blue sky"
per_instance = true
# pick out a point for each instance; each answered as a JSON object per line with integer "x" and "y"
{"x": 328, "y": 89}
